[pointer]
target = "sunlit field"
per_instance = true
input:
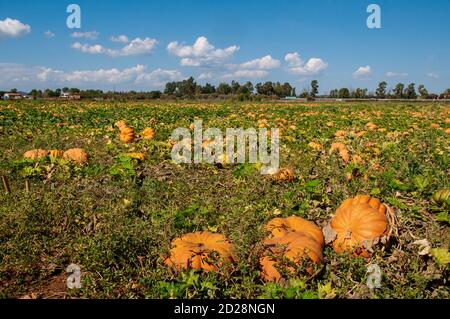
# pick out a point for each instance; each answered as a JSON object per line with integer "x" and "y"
{"x": 117, "y": 214}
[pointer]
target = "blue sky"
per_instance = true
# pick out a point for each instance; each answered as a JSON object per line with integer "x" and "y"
{"x": 255, "y": 40}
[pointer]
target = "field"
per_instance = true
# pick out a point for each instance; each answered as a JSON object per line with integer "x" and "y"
{"x": 115, "y": 217}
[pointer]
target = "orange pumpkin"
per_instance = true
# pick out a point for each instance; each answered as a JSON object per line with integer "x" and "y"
{"x": 127, "y": 135}
{"x": 121, "y": 124}
{"x": 359, "y": 223}
{"x": 77, "y": 155}
{"x": 284, "y": 175}
{"x": 139, "y": 156}
{"x": 295, "y": 247}
{"x": 35, "y": 154}
{"x": 280, "y": 227}
{"x": 200, "y": 250}
{"x": 342, "y": 149}
{"x": 148, "y": 133}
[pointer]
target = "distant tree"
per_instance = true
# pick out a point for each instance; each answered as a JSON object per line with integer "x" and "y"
{"x": 398, "y": 90}
{"x": 249, "y": 86}
{"x": 65, "y": 89}
{"x": 268, "y": 88}
{"x": 170, "y": 88}
{"x": 422, "y": 91}
{"x": 304, "y": 94}
{"x": 154, "y": 94}
{"x": 224, "y": 88}
{"x": 344, "y": 93}
{"x": 235, "y": 86}
{"x": 410, "y": 91}
{"x": 13, "y": 90}
{"x": 359, "y": 93}
{"x": 58, "y": 92}
{"x": 34, "y": 94}
{"x": 334, "y": 93}
{"x": 187, "y": 87}
{"x": 208, "y": 89}
{"x": 314, "y": 88}
{"x": 381, "y": 90}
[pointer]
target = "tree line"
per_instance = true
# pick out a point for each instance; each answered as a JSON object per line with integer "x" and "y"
{"x": 188, "y": 88}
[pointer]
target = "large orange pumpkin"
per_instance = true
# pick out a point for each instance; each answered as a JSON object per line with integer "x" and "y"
{"x": 77, "y": 155}
{"x": 280, "y": 227}
{"x": 127, "y": 135}
{"x": 200, "y": 250}
{"x": 360, "y": 223}
{"x": 295, "y": 247}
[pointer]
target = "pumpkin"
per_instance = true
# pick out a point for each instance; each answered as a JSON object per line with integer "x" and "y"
{"x": 440, "y": 197}
{"x": 295, "y": 247}
{"x": 56, "y": 153}
{"x": 35, "y": 154}
{"x": 360, "y": 223}
{"x": 340, "y": 133}
{"x": 139, "y": 156}
{"x": 200, "y": 250}
{"x": 120, "y": 124}
{"x": 315, "y": 146}
{"x": 77, "y": 155}
{"x": 127, "y": 135}
{"x": 342, "y": 149}
{"x": 371, "y": 126}
{"x": 148, "y": 133}
{"x": 284, "y": 175}
{"x": 280, "y": 227}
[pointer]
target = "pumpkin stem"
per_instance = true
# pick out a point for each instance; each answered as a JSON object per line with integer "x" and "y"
{"x": 6, "y": 184}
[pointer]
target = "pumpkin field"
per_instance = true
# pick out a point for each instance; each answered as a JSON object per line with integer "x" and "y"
{"x": 361, "y": 186}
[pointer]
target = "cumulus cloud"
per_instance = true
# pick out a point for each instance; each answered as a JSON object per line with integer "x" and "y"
{"x": 136, "y": 47}
{"x": 160, "y": 77}
{"x": 433, "y": 75}
{"x": 205, "y": 76}
{"x": 201, "y": 53}
{"x": 396, "y": 74}
{"x": 296, "y": 65}
{"x": 120, "y": 38}
{"x": 49, "y": 34}
{"x": 91, "y": 35}
{"x": 40, "y": 77}
{"x": 264, "y": 63}
{"x": 11, "y": 28}
{"x": 247, "y": 74}
{"x": 362, "y": 72}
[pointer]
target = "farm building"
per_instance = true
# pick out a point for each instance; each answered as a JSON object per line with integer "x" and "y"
{"x": 12, "y": 96}
{"x": 69, "y": 96}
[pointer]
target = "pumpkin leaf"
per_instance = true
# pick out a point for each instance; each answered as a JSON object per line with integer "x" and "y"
{"x": 441, "y": 256}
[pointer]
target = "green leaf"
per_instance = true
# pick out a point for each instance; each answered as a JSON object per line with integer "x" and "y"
{"x": 441, "y": 256}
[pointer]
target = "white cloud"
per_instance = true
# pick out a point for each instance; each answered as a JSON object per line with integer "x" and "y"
{"x": 49, "y": 34}
{"x": 11, "y": 28}
{"x": 91, "y": 35}
{"x": 205, "y": 76}
{"x": 201, "y": 53}
{"x": 396, "y": 74}
{"x": 159, "y": 77}
{"x": 23, "y": 77}
{"x": 362, "y": 72}
{"x": 136, "y": 47}
{"x": 296, "y": 65}
{"x": 247, "y": 74}
{"x": 264, "y": 63}
{"x": 433, "y": 75}
{"x": 120, "y": 38}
